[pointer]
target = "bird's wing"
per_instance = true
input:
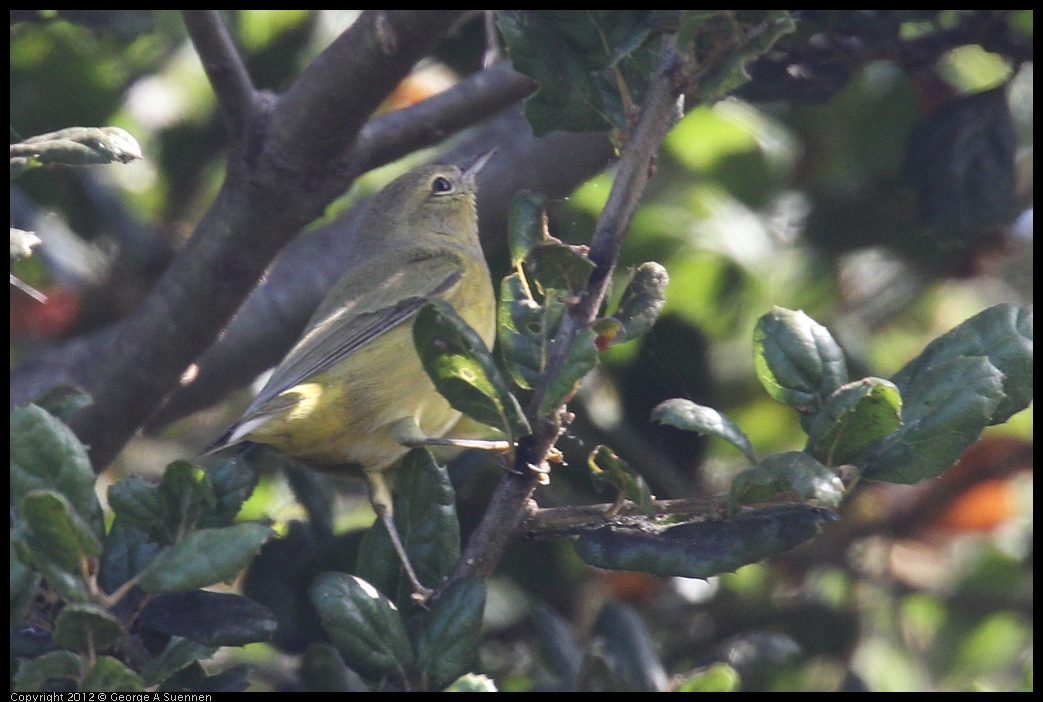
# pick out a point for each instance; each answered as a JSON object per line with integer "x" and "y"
{"x": 358, "y": 311}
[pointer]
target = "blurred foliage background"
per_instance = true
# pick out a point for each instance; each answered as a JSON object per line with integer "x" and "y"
{"x": 839, "y": 204}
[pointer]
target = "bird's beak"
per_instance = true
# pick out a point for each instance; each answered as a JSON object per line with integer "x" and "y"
{"x": 471, "y": 173}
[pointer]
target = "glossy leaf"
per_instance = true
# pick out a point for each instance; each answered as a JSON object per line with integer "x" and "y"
{"x": 45, "y": 454}
{"x": 797, "y": 360}
{"x": 463, "y": 370}
{"x": 526, "y": 225}
{"x": 686, "y": 415}
{"x": 203, "y": 558}
{"x": 522, "y": 332}
{"x": 1003, "y": 334}
{"x": 701, "y": 549}
{"x": 947, "y": 406}
{"x": 87, "y": 628}
{"x": 363, "y": 624}
{"x": 793, "y": 470}
{"x": 852, "y": 419}
{"x": 448, "y": 644}
{"x": 211, "y": 618}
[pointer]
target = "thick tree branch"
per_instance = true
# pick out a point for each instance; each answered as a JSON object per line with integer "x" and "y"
{"x": 282, "y": 173}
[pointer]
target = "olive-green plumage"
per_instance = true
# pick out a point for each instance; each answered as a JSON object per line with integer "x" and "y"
{"x": 351, "y": 395}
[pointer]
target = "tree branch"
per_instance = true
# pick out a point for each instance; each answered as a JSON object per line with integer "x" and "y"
{"x": 282, "y": 173}
{"x": 507, "y": 507}
{"x": 223, "y": 65}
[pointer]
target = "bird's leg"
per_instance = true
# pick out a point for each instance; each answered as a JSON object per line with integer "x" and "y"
{"x": 380, "y": 498}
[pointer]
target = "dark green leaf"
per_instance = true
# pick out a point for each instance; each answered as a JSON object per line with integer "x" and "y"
{"x": 463, "y": 370}
{"x": 526, "y": 225}
{"x": 178, "y": 655}
{"x": 109, "y": 674}
{"x": 642, "y": 300}
{"x": 797, "y": 360}
{"x": 1003, "y": 333}
{"x": 425, "y": 516}
{"x": 947, "y": 405}
{"x": 793, "y": 470}
{"x": 448, "y": 643}
{"x": 559, "y": 649}
{"x": 557, "y": 266}
{"x": 56, "y": 532}
{"x": 211, "y": 618}
{"x": 609, "y": 471}
{"x": 363, "y": 624}
{"x": 701, "y": 549}
{"x": 686, "y": 415}
{"x": 168, "y": 509}
{"x": 63, "y": 401}
{"x": 852, "y": 419}
{"x": 87, "y": 628}
{"x": 522, "y": 332}
{"x": 629, "y": 649}
{"x": 323, "y": 670}
{"x": 582, "y": 358}
{"x": 24, "y": 582}
{"x": 203, "y": 558}
{"x": 36, "y": 675}
{"x": 46, "y": 454}
{"x": 729, "y": 70}
{"x": 590, "y": 65}
{"x": 233, "y": 481}
{"x": 126, "y": 553}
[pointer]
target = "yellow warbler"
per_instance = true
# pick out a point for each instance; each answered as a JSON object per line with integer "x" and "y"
{"x": 351, "y": 396}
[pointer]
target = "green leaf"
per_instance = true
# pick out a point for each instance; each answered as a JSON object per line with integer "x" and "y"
{"x": 609, "y": 470}
{"x": 700, "y": 549}
{"x": 425, "y": 516}
{"x": 39, "y": 674}
{"x": 203, "y": 558}
{"x": 448, "y": 643}
{"x": 629, "y": 649}
{"x": 45, "y": 454}
{"x": 797, "y": 360}
{"x": 178, "y": 655}
{"x": 87, "y": 628}
{"x": 794, "y": 470}
{"x": 75, "y": 146}
{"x": 852, "y": 419}
{"x": 363, "y": 624}
{"x": 947, "y": 406}
{"x": 526, "y": 225}
{"x": 233, "y": 481}
{"x": 557, "y": 266}
{"x": 642, "y": 301}
{"x": 323, "y": 670}
{"x": 463, "y": 370}
{"x": 719, "y": 677}
{"x": 126, "y": 553}
{"x": 686, "y": 415}
{"x": 522, "y": 332}
{"x": 168, "y": 509}
{"x": 589, "y": 65}
{"x": 582, "y": 358}
{"x": 63, "y": 401}
{"x": 729, "y": 71}
{"x": 24, "y": 582}
{"x": 1003, "y": 334}
{"x": 211, "y": 618}
{"x": 558, "y": 647}
{"x": 109, "y": 674}
{"x": 56, "y": 532}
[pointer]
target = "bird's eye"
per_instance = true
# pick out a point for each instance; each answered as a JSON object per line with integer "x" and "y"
{"x": 441, "y": 185}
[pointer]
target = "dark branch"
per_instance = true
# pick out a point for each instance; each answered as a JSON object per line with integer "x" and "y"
{"x": 223, "y": 65}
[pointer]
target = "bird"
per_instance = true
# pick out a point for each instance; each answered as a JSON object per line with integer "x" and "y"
{"x": 351, "y": 397}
